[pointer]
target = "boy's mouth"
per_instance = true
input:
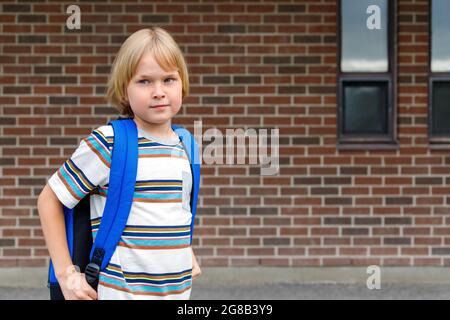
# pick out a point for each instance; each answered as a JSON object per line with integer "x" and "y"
{"x": 159, "y": 106}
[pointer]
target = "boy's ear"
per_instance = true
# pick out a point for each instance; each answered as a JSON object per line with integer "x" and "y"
{"x": 126, "y": 100}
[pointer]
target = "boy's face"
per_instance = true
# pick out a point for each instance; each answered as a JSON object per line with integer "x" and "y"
{"x": 152, "y": 86}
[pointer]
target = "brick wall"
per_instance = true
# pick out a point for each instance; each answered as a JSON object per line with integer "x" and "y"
{"x": 252, "y": 64}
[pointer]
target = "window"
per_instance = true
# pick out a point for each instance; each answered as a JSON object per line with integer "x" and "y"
{"x": 371, "y": 95}
{"x": 367, "y": 72}
{"x": 439, "y": 105}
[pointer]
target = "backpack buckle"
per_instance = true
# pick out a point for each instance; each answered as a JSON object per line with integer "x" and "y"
{"x": 91, "y": 272}
{"x": 93, "y": 268}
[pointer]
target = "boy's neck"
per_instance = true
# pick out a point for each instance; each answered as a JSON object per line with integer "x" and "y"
{"x": 163, "y": 130}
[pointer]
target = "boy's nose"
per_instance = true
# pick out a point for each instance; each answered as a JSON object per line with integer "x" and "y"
{"x": 158, "y": 93}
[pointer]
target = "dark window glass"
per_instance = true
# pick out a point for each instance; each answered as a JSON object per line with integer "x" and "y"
{"x": 365, "y": 108}
{"x": 441, "y": 108}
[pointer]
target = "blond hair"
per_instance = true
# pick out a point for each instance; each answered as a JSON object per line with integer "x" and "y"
{"x": 164, "y": 49}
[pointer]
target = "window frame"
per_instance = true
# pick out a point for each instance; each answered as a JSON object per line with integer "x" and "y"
{"x": 372, "y": 141}
{"x": 434, "y": 139}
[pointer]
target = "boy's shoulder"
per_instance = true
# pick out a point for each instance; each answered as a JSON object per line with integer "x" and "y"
{"x": 105, "y": 130}
{"x": 101, "y": 136}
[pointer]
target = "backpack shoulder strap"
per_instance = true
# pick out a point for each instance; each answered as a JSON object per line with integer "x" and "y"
{"x": 122, "y": 180}
{"x": 192, "y": 150}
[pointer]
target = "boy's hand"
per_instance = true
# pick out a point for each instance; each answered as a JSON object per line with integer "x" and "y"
{"x": 75, "y": 287}
{"x": 196, "y": 271}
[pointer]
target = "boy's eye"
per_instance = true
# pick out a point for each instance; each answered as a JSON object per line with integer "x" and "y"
{"x": 168, "y": 80}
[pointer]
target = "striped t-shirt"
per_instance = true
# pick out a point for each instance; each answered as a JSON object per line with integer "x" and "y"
{"x": 153, "y": 259}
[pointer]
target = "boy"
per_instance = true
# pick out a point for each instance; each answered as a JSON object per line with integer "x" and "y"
{"x": 154, "y": 259}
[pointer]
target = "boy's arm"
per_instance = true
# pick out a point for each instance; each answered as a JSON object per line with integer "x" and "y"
{"x": 53, "y": 226}
{"x": 196, "y": 271}
{"x": 73, "y": 284}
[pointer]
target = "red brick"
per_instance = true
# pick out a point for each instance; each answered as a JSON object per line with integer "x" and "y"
{"x": 276, "y": 77}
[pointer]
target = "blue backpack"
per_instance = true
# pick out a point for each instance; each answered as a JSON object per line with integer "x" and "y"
{"x": 92, "y": 257}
